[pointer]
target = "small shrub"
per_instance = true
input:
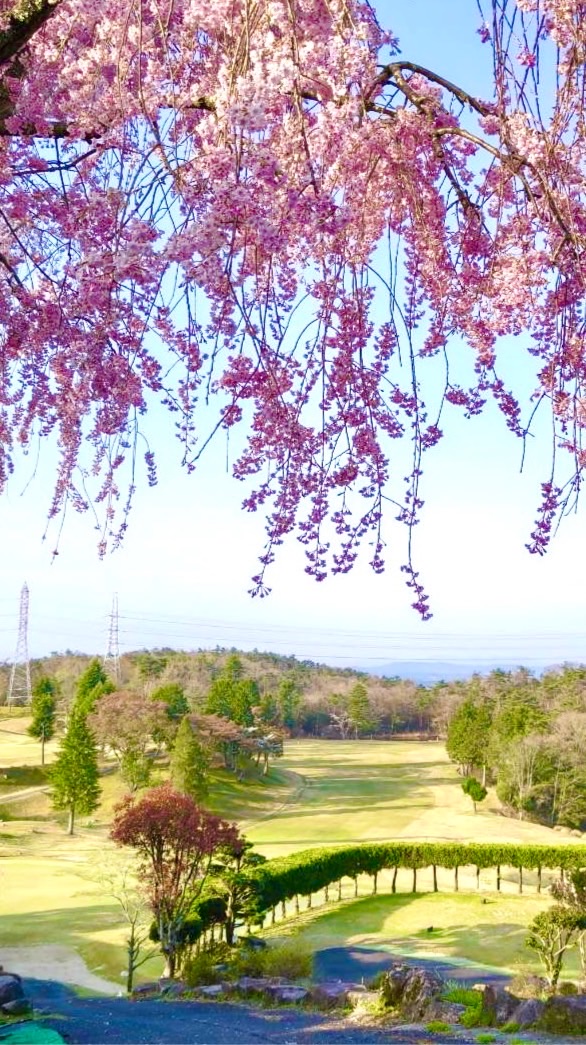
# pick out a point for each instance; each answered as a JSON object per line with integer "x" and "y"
{"x": 438, "y": 1027}
{"x": 510, "y": 1028}
{"x": 477, "y": 1017}
{"x": 292, "y": 959}
{"x": 567, "y": 987}
{"x": 200, "y": 969}
{"x": 485, "y": 1039}
{"x": 467, "y": 996}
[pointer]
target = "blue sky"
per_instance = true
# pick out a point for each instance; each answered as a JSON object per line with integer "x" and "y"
{"x": 183, "y": 574}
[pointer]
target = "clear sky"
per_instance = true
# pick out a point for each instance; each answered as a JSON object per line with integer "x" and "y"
{"x": 183, "y": 574}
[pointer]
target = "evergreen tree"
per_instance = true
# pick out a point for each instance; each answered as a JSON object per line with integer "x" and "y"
{"x": 91, "y": 685}
{"x": 74, "y": 777}
{"x": 173, "y": 696}
{"x": 288, "y": 699}
{"x": 189, "y": 763}
{"x": 43, "y": 707}
{"x": 474, "y": 789}
{"x": 359, "y": 710}
{"x": 469, "y": 734}
{"x": 231, "y": 696}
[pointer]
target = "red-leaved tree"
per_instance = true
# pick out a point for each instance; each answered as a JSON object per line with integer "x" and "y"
{"x": 176, "y": 841}
{"x": 267, "y": 205}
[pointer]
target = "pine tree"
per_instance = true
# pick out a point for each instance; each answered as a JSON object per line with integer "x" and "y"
{"x": 74, "y": 777}
{"x": 359, "y": 711}
{"x": 43, "y": 708}
{"x": 189, "y": 763}
{"x": 91, "y": 685}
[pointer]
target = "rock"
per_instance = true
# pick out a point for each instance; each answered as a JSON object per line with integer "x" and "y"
{"x": 528, "y": 986}
{"x": 174, "y": 989}
{"x": 18, "y": 1007}
{"x": 498, "y": 1004}
{"x": 256, "y": 984}
{"x": 145, "y": 989}
{"x": 333, "y": 993}
{"x": 528, "y": 1012}
{"x": 288, "y": 993}
{"x": 415, "y": 992}
{"x": 576, "y": 833}
{"x": 563, "y": 1015}
{"x": 10, "y": 987}
{"x": 213, "y": 990}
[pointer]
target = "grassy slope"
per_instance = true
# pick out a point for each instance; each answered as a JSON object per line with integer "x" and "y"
{"x": 321, "y": 793}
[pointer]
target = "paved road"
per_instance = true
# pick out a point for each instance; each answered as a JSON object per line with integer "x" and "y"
{"x": 352, "y": 964}
{"x": 113, "y": 1021}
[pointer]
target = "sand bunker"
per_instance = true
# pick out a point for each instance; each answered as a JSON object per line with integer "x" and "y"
{"x": 52, "y": 962}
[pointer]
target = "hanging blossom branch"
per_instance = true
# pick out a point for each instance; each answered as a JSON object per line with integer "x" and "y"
{"x": 258, "y": 156}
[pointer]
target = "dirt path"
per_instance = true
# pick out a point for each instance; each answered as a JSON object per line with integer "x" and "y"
{"x": 53, "y": 962}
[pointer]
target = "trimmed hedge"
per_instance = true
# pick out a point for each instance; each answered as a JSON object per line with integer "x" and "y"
{"x": 310, "y": 870}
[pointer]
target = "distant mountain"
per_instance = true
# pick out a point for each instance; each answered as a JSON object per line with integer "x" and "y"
{"x": 428, "y": 671}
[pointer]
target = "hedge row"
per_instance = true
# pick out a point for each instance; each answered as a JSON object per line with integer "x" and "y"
{"x": 310, "y": 870}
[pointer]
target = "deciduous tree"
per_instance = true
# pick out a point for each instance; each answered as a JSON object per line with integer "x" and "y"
{"x": 127, "y": 723}
{"x": 176, "y": 841}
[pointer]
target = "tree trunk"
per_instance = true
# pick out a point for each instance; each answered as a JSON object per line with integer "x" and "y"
{"x": 273, "y": 915}
{"x": 484, "y": 775}
{"x": 456, "y": 885}
{"x": 356, "y": 886}
{"x": 296, "y": 903}
{"x": 414, "y": 883}
{"x": 71, "y": 820}
{"x": 434, "y": 868}
{"x": 283, "y": 909}
{"x": 339, "y": 889}
{"x": 520, "y": 879}
{"x": 394, "y": 885}
{"x": 326, "y": 894}
{"x": 309, "y": 902}
{"x": 498, "y": 878}
{"x": 539, "y": 879}
{"x": 43, "y": 748}
{"x": 374, "y": 882}
{"x": 478, "y": 878}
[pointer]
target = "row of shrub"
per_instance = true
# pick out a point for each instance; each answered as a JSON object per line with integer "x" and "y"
{"x": 311, "y": 870}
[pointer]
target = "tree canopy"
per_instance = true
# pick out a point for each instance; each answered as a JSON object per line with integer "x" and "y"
{"x": 211, "y": 199}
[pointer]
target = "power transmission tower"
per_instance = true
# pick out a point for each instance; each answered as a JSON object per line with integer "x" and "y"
{"x": 19, "y": 687}
{"x": 112, "y": 658}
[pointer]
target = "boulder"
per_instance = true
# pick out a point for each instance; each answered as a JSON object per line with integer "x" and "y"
{"x": 174, "y": 989}
{"x": 10, "y": 987}
{"x": 564, "y": 1015}
{"x": 255, "y": 943}
{"x": 145, "y": 989}
{"x": 288, "y": 993}
{"x": 333, "y": 993}
{"x": 415, "y": 992}
{"x": 213, "y": 990}
{"x": 498, "y": 1004}
{"x": 528, "y": 1012}
{"x": 257, "y": 984}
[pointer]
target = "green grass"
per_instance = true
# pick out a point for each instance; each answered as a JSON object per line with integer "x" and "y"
{"x": 320, "y": 793}
{"x": 489, "y": 935}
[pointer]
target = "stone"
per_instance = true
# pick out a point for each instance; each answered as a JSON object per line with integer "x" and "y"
{"x": 174, "y": 989}
{"x": 10, "y": 987}
{"x": 288, "y": 993}
{"x": 497, "y": 1002}
{"x": 212, "y": 990}
{"x": 414, "y": 991}
{"x": 145, "y": 989}
{"x": 363, "y": 998}
{"x": 528, "y": 1012}
{"x": 18, "y": 1007}
{"x": 257, "y": 984}
{"x": 564, "y": 1014}
{"x": 576, "y": 833}
{"x": 333, "y": 993}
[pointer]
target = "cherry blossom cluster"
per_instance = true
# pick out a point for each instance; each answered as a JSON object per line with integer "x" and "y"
{"x": 217, "y": 200}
